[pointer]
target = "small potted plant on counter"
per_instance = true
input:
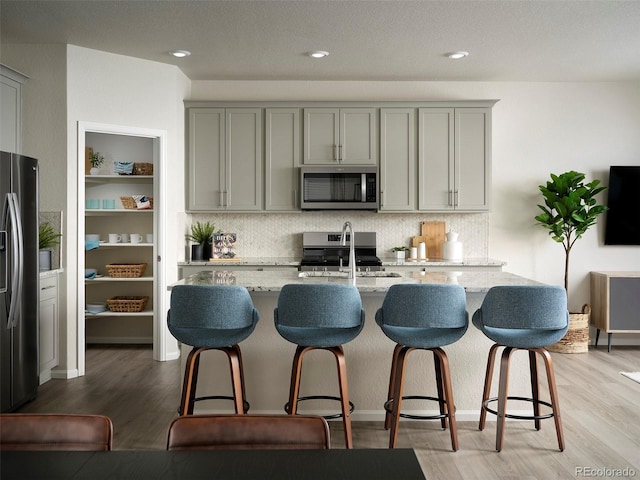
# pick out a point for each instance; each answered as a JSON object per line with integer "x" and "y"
{"x": 202, "y": 236}
{"x": 48, "y": 238}
{"x": 96, "y": 160}
{"x": 400, "y": 253}
{"x": 570, "y": 209}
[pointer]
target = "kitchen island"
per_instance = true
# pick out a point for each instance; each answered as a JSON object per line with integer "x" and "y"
{"x": 267, "y": 356}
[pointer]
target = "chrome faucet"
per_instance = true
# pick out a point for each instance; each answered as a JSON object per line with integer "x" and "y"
{"x": 352, "y": 249}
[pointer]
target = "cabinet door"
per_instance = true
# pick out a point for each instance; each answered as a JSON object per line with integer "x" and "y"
{"x": 282, "y": 158}
{"x": 243, "y": 159}
{"x": 206, "y": 159}
{"x": 472, "y": 158}
{"x": 357, "y": 136}
{"x": 321, "y": 135}
{"x": 397, "y": 159}
{"x": 435, "y": 159}
{"x": 48, "y": 323}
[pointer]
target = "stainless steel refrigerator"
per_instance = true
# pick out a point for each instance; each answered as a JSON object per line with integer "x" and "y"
{"x": 19, "y": 374}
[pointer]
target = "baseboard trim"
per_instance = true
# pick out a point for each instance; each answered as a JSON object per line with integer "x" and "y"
{"x": 64, "y": 374}
{"x": 120, "y": 340}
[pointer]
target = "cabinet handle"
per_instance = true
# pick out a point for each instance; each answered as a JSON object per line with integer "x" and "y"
{"x": 455, "y": 198}
{"x": 381, "y": 199}
{"x": 47, "y": 288}
{"x": 451, "y": 198}
{"x": 221, "y": 198}
{"x": 339, "y": 153}
{"x": 335, "y": 153}
{"x": 295, "y": 197}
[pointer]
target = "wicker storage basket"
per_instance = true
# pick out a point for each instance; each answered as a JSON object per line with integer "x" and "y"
{"x": 126, "y": 270}
{"x": 576, "y": 340}
{"x": 130, "y": 204}
{"x": 143, "y": 168}
{"x": 127, "y": 304}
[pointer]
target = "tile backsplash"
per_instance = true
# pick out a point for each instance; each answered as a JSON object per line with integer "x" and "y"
{"x": 280, "y": 235}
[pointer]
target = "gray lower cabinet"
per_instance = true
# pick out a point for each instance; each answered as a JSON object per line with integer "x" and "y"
{"x": 454, "y": 159}
{"x": 340, "y": 135}
{"x": 282, "y": 158}
{"x": 225, "y": 159}
{"x": 397, "y": 159}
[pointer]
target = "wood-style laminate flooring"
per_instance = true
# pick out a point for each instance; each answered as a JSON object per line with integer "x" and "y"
{"x": 600, "y": 415}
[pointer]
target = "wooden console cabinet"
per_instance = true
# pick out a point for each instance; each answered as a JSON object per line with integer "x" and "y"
{"x": 615, "y": 302}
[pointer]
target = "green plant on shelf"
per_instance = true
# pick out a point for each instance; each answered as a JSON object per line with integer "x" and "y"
{"x": 47, "y": 236}
{"x": 96, "y": 159}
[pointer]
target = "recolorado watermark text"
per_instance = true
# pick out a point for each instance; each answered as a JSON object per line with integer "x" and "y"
{"x": 605, "y": 472}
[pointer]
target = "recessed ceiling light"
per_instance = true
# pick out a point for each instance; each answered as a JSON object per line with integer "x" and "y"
{"x": 457, "y": 55}
{"x": 318, "y": 54}
{"x": 180, "y": 53}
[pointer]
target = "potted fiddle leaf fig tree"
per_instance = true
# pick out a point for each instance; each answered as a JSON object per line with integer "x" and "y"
{"x": 201, "y": 234}
{"x": 570, "y": 209}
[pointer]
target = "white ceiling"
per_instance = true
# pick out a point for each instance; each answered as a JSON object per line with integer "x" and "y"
{"x": 508, "y": 40}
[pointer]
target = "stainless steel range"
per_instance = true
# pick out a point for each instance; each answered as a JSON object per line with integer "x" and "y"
{"x": 323, "y": 251}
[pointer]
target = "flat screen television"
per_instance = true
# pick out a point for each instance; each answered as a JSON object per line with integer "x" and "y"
{"x": 623, "y": 217}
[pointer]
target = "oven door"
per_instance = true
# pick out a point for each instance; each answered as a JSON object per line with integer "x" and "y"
{"x": 339, "y": 188}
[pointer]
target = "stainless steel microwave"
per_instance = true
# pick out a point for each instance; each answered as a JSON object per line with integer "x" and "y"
{"x": 339, "y": 188}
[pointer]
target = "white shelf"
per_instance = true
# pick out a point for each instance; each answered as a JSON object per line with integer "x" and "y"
{"x": 112, "y": 211}
{"x": 118, "y": 178}
{"x": 118, "y": 245}
{"x": 117, "y": 279}
{"x": 108, "y": 313}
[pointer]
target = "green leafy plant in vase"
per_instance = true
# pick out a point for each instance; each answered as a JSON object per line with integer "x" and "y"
{"x": 201, "y": 233}
{"x": 400, "y": 252}
{"x": 570, "y": 209}
{"x": 48, "y": 238}
{"x": 96, "y": 160}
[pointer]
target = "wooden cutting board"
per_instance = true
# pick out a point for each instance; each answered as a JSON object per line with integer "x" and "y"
{"x": 434, "y": 236}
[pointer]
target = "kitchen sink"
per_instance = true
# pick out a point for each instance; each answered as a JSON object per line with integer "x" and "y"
{"x": 346, "y": 274}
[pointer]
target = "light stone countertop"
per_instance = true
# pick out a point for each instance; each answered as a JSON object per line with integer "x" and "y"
{"x": 273, "y": 281}
{"x": 386, "y": 261}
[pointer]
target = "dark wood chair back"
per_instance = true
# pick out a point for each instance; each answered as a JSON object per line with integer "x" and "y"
{"x": 246, "y": 432}
{"x": 30, "y": 431}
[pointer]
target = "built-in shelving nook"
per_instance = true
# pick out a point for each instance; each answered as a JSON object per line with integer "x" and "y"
{"x": 120, "y": 232}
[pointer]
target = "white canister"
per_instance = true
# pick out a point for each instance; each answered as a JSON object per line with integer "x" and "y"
{"x": 452, "y": 249}
{"x": 414, "y": 253}
{"x": 422, "y": 250}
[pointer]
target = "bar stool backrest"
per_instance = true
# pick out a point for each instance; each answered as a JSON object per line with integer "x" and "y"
{"x": 42, "y": 431}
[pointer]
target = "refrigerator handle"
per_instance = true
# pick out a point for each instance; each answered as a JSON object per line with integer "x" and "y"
{"x": 17, "y": 262}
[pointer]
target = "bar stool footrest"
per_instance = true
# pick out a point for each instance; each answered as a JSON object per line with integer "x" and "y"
{"x": 245, "y": 404}
{"x": 519, "y": 417}
{"x": 388, "y": 407}
{"x": 322, "y": 397}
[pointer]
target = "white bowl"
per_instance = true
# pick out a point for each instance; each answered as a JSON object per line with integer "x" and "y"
{"x": 96, "y": 307}
{"x": 92, "y": 237}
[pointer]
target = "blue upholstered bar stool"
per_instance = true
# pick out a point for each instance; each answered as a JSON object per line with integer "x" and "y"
{"x": 214, "y": 317}
{"x": 522, "y": 318}
{"x": 422, "y": 317}
{"x": 320, "y": 316}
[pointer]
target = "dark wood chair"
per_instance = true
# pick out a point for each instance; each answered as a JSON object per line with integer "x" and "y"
{"x": 53, "y": 431}
{"x": 246, "y": 432}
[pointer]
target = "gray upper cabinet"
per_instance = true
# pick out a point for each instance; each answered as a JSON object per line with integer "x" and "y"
{"x": 454, "y": 152}
{"x": 397, "y": 159}
{"x": 282, "y": 158}
{"x": 225, "y": 159}
{"x": 340, "y": 135}
{"x": 10, "y": 109}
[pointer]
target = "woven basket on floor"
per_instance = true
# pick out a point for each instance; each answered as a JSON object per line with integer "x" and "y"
{"x": 576, "y": 340}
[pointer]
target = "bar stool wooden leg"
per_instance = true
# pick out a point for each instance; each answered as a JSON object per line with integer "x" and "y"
{"x": 535, "y": 387}
{"x": 296, "y": 370}
{"x": 553, "y": 393}
{"x": 392, "y": 379}
{"x": 487, "y": 384}
{"x": 502, "y": 395}
{"x": 190, "y": 380}
{"x": 450, "y": 410}
{"x": 442, "y": 400}
{"x": 237, "y": 382}
{"x": 338, "y": 352}
{"x": 398, "y": 387}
